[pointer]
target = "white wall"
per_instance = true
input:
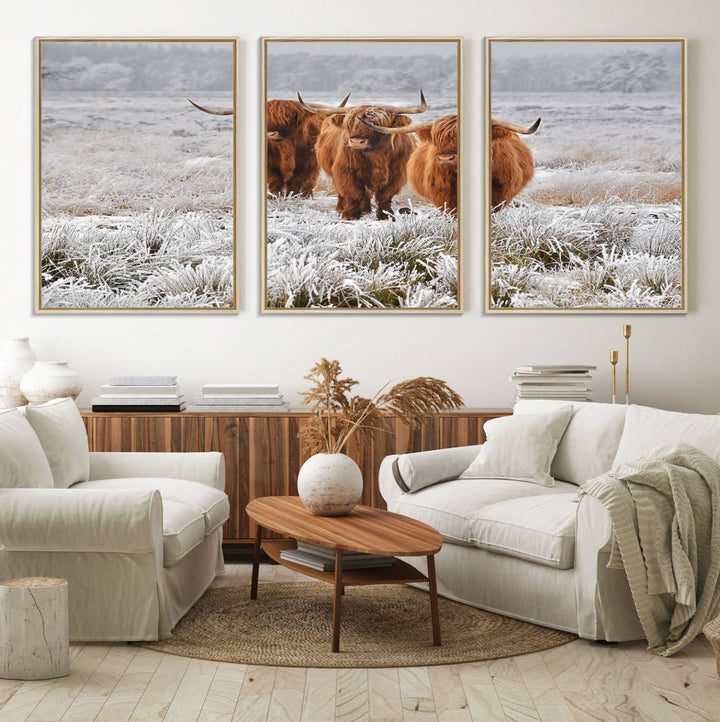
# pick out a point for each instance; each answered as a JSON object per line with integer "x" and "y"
{"x": 675, "y": 364}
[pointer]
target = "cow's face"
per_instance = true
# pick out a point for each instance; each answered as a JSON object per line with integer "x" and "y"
{"x": 444, "y": 137}
{"x": 283, "y": 119}
{"x": 364, "y": 139}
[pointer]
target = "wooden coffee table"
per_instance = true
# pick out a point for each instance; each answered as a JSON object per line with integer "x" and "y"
{"x": 364, "y": 529}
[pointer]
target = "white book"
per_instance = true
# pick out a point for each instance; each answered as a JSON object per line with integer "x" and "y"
{"x": 137, "y": 401}
{"x": 329, "y": 552}
{"x": 234, "y": 389}
{"x": 143, "y": 380}
{"x": 240, "y": 399}
{"x": 213, "y": 409}
{"x": 554, "y": 368}
{"x": 315, "y": 561}
{"x": 139, "y": 390}
{"x": 138, "y": 398}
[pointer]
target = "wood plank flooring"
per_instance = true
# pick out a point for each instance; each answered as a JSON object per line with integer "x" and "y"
{"x": 581, "y": 681}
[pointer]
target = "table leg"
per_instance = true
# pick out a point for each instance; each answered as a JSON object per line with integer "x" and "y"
{"x": 256, "y": 562}
{"x": 337, "y": 600}
{"x": 434, "y": 611}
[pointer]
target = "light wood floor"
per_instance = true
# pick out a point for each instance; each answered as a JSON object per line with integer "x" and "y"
{"x": 578, "y": 681}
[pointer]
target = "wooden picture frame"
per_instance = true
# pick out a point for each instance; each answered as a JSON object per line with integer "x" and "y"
{"x": 600, "y": 226}
{"x": 348, "y": 225}
{"x": 136, "y": 189}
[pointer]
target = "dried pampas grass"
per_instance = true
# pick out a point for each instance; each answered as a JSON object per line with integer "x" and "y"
{"x": 339, "y": 415}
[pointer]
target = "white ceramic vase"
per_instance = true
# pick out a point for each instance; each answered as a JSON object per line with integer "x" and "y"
{"x": 330, "y": 484}
{"x": 16, "y": 358}
{"x": 49, "y": 380}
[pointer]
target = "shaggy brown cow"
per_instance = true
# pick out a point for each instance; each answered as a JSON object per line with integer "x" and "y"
{"x": 510, "y": 160}
{"x": 291, "y": 133}
{"x": 432, "y": 168}
{"x": 361, "y": 162}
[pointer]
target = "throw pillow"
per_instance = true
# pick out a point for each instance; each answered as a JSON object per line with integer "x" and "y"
{"x": 61, "y": 431}
{"x": 520, "y": 447}
{"x": 22, "y": 460}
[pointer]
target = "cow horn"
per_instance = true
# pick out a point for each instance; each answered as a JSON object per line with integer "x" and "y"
{"x": 212, "y": 112}
{"x": 324, "y": 109}
{"x": 397, "y": 131}
{"x": 516, "y": 128}
{"x": 412, "y": 111}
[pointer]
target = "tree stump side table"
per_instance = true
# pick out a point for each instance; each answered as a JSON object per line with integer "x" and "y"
{"x": 34, "y": 628}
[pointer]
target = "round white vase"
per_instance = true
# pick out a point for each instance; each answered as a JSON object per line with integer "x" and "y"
{"x": 330, "y": 484}
{"x": 49, "y": 380}
{"x": 16, "y": 358}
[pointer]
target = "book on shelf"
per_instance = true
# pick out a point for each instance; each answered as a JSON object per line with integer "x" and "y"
{"x": 168, "y": 408}
{"x": 329, "y": 552}
{"x": 238, "y": 409}
{"x": 323, "y": 564}
{"x": 554, "y": 369}
{"x": 109, "y": 390}
{"x": 240, "y": 400}
{"x": 143, "y": 380}
{"x": 575, "y": 379}
{"x": 139, "y": 400}
{"x": 240, "y": 389}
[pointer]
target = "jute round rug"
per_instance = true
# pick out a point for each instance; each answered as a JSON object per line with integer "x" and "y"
{"x": 382, "y": 626}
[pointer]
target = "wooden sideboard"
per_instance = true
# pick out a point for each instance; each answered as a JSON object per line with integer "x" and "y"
{"x": 262, "y": 451}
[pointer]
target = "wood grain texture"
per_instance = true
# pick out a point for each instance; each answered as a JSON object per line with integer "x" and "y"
{"x": 262, "y": 451}
{"x": 364, "y": 529}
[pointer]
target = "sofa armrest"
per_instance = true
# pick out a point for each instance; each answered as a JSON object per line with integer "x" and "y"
{"x": 81, "y": 520}
{"x": 202, "y": 467}
{"x": 404, "y": 473}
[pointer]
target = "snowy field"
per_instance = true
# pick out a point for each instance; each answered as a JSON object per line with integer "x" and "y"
{"x": 317, "y": 260}
{"x": 600, "y": 224}
{"x": 137, "y": 201}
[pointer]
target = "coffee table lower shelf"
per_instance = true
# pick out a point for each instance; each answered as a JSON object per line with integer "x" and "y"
{"x": 399, "y": 573}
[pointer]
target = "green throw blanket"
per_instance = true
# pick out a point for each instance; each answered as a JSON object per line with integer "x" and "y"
{"x": 665, "y": 512}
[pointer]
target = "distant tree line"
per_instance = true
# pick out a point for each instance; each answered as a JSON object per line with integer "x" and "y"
{"x": 627, "y": 72}
{"x": 361, "y": 74}
{"x": 149, "y": 66}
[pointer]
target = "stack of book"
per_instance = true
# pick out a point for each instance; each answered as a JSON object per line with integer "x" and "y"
{"x": 322, "y": 558}
{"x": 240, "y": 398}
{"x": 564, "y": 382}
{"x": 140, "y": 393}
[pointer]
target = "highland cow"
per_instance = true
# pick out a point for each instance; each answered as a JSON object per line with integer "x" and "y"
{"x": 361, "y": 162}
{"x": 511, "y": 161}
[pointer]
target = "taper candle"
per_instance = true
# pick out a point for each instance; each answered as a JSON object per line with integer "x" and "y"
{"x": 613, "y": 360}
{"x": 627, "y": 331}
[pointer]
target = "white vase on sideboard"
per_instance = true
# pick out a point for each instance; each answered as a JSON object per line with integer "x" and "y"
{"x": 16, "y": 359}
{"x": 330, "y": 484}
{"x": 49, "y": 380}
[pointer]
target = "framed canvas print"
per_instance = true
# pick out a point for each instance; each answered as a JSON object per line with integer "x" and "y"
{"x": 585, "y": 176}
{"x": 136, "y": 188}
{"x": 362, "y": 148}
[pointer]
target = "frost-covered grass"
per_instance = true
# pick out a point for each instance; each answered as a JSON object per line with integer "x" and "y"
{"x": 609, "y": 254}
{"x": 136, "y": 203}
{"x": 164, "y": 260}
{"x": 600, "y": 225}
{"x": 316, "y": 260}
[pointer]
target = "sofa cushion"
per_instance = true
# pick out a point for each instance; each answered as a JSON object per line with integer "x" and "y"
{"x": 183, "y": 530}
{"x": 62, "y": 434}
{"x": 647, "y": 428}
{"x": 417, "y": 470}
{"x": 22, "y": 460}
{"x": 211, "y": 503}
{"x": 540, "y": 529}
{"x": 454, "y": 508}
{"x": 520, "y": 447}
{"x": 591, "y": 439}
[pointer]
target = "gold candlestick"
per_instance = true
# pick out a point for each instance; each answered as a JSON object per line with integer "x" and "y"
{"x": 627, "y": 331}
{"x": 613, "y": 360}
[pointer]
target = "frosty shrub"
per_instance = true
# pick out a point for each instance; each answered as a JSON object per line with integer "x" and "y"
{"x": 316, "y": 260}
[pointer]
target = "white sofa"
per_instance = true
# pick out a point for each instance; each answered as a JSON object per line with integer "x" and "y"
{"x": 534, "y": 552}
{"x": 138, "y": 536}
